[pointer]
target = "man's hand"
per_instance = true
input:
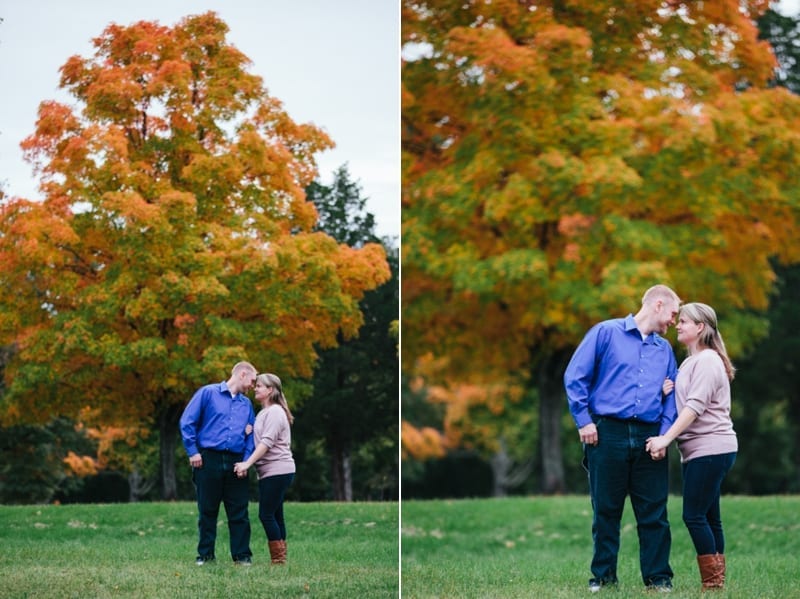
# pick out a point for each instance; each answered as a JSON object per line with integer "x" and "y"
{"x": 588, "y": 434}
{"x": 196, "y": 461}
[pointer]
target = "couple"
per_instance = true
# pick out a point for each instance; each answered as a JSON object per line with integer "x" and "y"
{"x": 629, "y": 404}
{"x": 223, "y": 438}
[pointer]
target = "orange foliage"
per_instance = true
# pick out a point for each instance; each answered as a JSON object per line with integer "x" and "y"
{"x": 421, "y": 443}
{"x": 81, "y": 465}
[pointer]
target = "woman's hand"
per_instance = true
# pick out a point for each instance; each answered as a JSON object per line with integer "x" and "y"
{"x": 656, "y": 446}
{"x": 668, "y": 386}
{"x": 240, "y": 469}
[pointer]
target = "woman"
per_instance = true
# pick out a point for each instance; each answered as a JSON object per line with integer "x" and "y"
{"x": 273, "y": 460}
{"x": 706, "y": 439}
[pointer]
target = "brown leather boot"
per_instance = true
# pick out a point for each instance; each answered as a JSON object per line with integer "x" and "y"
{"x": 283, "y": 551}
{"x": 277, "y": 552}
{"x": 721, "y": 568}
{"x": 710, "y": 572}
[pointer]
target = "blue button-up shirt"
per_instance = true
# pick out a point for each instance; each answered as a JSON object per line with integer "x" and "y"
{"x": 216, "y": 419}
{"x": 616, "y": 373}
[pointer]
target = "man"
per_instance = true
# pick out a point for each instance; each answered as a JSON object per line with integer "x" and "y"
{"x": 216, "y": 427}
{"x": 614, "y": 389}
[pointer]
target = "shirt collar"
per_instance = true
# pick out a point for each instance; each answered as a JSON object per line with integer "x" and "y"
{"x": 630, "y": 325}
{"x": 223, "y": 388}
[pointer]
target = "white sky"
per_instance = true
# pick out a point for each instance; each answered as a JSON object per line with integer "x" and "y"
{"x": 334, "y": 63}
{"x": 788, "y": 7}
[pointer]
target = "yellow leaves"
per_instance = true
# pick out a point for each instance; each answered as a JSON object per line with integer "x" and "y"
{"x": 571, "y": 225}
{"x": 112, "y": 95}
{"x": 132, "y": 207}
{"x": 184, "y": 320}
{"x": 623, "y": 281}
{"x": 565, "y": 47}
{"x": 421, "y": 443}
{"x": 361, "y": 268}
{"x": 473, "y": 415}
{"x": 80, "y": 465}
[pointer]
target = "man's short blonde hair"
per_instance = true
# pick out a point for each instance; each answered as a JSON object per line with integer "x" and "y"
{"x": 660, "y": 292}
{"x": 239, "y": 366}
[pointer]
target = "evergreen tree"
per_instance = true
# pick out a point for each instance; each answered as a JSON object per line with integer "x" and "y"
{"x": 354, "y": 406}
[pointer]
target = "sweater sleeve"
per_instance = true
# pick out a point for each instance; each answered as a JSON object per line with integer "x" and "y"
{"x": 272, "y": 426}
{"x": 704, "y": 381}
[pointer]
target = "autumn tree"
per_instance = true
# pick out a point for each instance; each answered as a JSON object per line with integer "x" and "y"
{"x": 354, "y": 404}
{"x": 174, "y": 238}
{"x": 559, "y": 158}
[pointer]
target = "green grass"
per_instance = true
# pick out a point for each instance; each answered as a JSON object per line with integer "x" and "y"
{"x": 541, "y": 547}
{"x": 147, "y": 550}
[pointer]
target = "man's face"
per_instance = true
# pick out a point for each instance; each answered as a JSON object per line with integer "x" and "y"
{"x": 667, "y": 311}
{"x": 248, "y": 380}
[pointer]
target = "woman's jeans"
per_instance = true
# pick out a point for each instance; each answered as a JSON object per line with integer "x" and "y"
{"x": 216, "y": 483}
{"x": 702, "y": 480}
{"x": 271, "y": 491}
{"x": 619, "y": 466}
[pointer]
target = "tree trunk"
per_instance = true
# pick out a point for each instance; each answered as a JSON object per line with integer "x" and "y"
{"x": 139, "y": 486}
{"x": 342, "y": 475}
{"x": 552, "y": 402}
{"x": 506, "y": 474}
{"x": 168, "y": 423}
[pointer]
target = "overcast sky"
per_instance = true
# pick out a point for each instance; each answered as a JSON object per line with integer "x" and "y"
{"x": 788, "y": 7}
{"x": 331, "y": 63}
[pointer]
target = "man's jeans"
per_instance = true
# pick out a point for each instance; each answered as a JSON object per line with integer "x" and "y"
{"x": 702, "y": 480}
{"x": 619, "y": 466}
{"x": 216, "y": 482}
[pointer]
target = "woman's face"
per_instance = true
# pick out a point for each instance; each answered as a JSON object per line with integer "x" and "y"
{"x": 262, "y": 391}
{"x": 688, "y": 330}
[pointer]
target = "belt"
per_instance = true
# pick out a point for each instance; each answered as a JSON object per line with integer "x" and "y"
{"x": 625, "y": 420}
{"x": 221, "y": 451}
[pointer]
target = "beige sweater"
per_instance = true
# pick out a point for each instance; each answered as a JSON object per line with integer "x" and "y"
{"x": 272, "y": 429}
{"x": 703, "y": 386}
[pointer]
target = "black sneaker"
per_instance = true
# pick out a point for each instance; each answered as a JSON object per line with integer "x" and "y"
{"x": 243, "y": 561}
{"x": 202, "y": 560}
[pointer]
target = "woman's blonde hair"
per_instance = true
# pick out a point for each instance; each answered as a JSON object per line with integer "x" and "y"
{"x": 710, "y": 336}
{"x": 270, "y": 380}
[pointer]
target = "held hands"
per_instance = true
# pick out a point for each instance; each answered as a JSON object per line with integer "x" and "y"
{"x": 657, "y": 446}
{"x": 240, "y": 469}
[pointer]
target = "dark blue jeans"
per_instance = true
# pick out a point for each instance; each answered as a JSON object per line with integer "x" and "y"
{"x": 271, "y": 491}
{"x": 619, "y": 467}
{"x": 216, "y": 483}
{"x": 702, "y": 481}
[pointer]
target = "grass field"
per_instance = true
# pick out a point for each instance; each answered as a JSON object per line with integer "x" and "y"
{"x": 541, "y": 547}
{"x": 147, "y": 550}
